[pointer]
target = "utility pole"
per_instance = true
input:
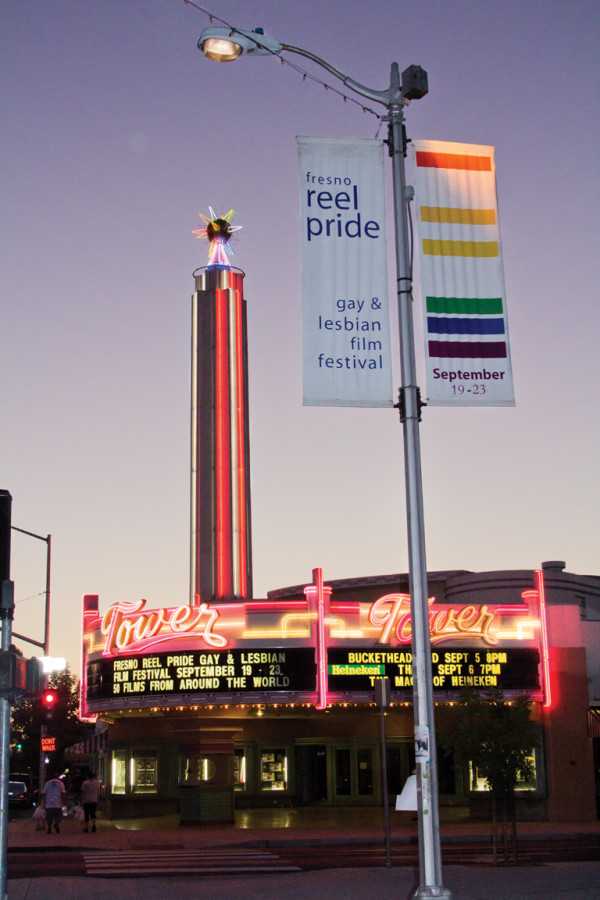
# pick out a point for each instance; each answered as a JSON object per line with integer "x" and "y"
{"x": 382, "y": 699}
{"x": 7, "y": 607}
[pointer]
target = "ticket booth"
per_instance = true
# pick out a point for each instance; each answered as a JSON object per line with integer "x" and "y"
{"x": 206, "y": 778}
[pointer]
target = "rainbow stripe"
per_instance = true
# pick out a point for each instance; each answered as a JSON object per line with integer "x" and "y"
{"x": 460, "y": 248}
{"x": 454, "y": 215}
{"x": 471, "y": 306}
{"x": 468, "y": 349}
{"x": 426, "y": 159}
{"x": 442, "y": 325}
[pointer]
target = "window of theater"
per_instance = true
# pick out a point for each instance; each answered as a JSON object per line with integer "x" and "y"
{"x": 144, "y": 774}
{"x": 239, "y": 770}
{"x": 118, "y": 772}
{"x": 273, "y": 770}
{"x": 197, "y": 770}
{"x": 526, "y": 781}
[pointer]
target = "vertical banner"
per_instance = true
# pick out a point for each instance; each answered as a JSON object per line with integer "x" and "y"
{"x": 344, "y": 273}
{"x": 467, "y": 350}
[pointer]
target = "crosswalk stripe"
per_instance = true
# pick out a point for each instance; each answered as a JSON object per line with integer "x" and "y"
{"x": 185, "y": 862}
{"x": 188, "y": 870}
{"x": 180, "y": 854}
{"x": 195, "y": 860}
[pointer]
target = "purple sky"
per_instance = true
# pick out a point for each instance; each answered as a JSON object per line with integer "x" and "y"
{"x": 116, "y": 132}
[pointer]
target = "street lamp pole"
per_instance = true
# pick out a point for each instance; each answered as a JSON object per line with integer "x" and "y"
{"x": 48, "y": 541}
{"x": 410, "y": 413}
{"x": 46, "y": 644}
{"x": 225, "y": 44}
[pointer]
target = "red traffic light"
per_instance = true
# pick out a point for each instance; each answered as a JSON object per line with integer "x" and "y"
{"x": 49, "y": 699}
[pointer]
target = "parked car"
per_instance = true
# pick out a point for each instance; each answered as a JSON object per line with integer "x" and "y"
{"x": 27, "y": 777}
{"x": 19, "y": 797}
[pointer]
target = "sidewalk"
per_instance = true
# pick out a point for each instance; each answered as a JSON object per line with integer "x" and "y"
{"x": 269, "y": 828}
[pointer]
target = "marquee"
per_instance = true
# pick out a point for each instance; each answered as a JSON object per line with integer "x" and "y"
{"x": 319, "y": 650}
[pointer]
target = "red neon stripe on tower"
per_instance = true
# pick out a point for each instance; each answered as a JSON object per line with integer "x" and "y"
{"x": 241, "y": 442}
{"x": 218, "y": 439}
{"x": 222, "y": 450}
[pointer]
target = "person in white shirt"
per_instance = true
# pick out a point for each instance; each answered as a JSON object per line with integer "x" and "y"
{"x": 54, "y": 796}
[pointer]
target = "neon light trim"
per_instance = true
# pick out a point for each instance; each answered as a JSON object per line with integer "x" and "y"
{"x": 541, "y": 592}
{"x": 316, "y": 594}
{"x": 512, "y": 609}
{"x": 284, "y": 629}
{"x": 274, "y": 604}
{"x": 195, "y": 538}
{"x": 234, "y": 472}
{"x": 241, "y": 411}
{"x": 218, "y": 443}
{"x": 222, "y": 454}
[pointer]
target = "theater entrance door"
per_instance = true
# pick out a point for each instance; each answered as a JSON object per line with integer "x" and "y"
{"x": 311, "y": 774}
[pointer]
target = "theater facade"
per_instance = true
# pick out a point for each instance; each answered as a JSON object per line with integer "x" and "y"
{"x": 214, "y": 707}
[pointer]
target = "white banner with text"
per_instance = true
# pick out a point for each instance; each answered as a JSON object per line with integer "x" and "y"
{"x": 346, "y": 330}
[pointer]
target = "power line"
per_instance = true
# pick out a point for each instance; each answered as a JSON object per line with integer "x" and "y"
{"x": 30, "y": 597}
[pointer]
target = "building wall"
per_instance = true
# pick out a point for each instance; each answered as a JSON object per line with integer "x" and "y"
{"x": 569, "y": 750}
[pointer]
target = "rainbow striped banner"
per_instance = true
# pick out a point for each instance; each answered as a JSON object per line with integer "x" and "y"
{"x": 467, "y": 348}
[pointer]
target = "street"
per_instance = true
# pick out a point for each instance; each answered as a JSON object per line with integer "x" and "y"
{"x": 575, "y": 881}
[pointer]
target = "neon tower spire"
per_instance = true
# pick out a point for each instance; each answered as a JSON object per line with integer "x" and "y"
{"x": 221, "y": 546}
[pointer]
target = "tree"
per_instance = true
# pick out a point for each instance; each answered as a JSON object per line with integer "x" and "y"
{"x": 497, "y": 737}
{"x": 28, "y": 716}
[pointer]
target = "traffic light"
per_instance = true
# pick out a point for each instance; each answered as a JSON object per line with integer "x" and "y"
{"x": 5, "y": 521}
{"x": 49, "y": 702}
{"x": 19, "y": 675}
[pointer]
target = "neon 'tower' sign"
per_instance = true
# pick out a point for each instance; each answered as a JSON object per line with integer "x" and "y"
{"x": 392, "y": 614}
{"x": 129, "y": 627}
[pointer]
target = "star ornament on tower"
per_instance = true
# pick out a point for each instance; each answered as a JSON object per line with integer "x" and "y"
{"x": 218, "y": 231}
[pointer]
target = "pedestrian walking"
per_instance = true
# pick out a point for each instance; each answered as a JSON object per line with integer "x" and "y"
{"x": 54, "y": 796}
{"x": 90, "y": 792}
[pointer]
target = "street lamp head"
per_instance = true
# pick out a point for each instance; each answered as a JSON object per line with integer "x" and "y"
{"x": 222, "y": 44}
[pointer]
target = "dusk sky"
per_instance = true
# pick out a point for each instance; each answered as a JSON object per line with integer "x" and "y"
{"x": 117, "y": 132}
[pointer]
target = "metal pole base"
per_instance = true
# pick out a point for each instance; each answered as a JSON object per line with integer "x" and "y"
{"x": 429, "y": 893}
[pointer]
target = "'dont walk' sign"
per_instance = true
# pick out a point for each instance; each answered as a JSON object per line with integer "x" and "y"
{"x": 467, "y": 348}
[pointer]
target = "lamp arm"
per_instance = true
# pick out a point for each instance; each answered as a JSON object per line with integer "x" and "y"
{"x": 383, "y": 97}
